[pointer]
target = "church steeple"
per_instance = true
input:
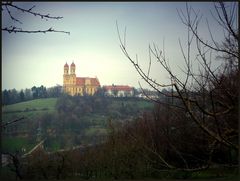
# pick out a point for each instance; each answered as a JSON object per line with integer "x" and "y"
{"x": 66, "y": 68}
{"x": 72, "y": 69}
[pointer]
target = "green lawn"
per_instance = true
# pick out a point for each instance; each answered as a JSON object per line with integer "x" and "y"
{"x": 29, "y": 109}
{"x": 38, "y": 104}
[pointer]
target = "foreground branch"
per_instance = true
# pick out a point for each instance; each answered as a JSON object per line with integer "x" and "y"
{"x": 9, "y": 6}
{"x": 18, "y": 30}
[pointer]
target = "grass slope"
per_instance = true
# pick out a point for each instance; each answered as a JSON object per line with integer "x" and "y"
{"x": 28, "y": 109}
{"x": 38, "y": 104}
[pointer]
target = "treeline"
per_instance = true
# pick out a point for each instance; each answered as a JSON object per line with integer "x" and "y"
{"x": 13, "y": 96}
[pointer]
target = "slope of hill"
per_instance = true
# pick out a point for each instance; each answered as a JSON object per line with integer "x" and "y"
{"x": 33, "y": 104}
{"x": 41, "y": 116}
{"x": 28, "y": 109}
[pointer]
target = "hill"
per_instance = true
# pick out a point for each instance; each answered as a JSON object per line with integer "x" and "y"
{"x": 35, "y": 108}
{"x": 69, "y": 127}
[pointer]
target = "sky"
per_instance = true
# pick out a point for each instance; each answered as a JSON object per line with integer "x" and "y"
{"x": 37, "y": 59}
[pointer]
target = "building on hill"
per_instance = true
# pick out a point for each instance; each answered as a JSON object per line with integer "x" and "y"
{"x": 73, "y": 85}
{"x": 118, "y": 90}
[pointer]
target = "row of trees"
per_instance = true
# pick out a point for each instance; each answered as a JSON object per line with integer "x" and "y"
{"x": 12, "y": 96}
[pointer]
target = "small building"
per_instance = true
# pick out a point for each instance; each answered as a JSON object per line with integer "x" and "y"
{"x": 73, "y": 85}
{"x": 118, "y": 90}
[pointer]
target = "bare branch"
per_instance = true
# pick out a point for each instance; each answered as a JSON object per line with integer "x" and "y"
{"x": 150, "y": 60}
{"x": 19, "y": 30}
{"x": 29, "y": 11}
{"x": 11, "y": 122}
{"x": 14, "y": 29}
{"x": 14, "y": 19}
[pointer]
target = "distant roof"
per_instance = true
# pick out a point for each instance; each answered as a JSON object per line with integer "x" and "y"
{"x": 118, "y": 87}
{"x": 93, "y": 81}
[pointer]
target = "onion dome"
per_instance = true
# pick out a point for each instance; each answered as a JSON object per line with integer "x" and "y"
{"x": 72, "y": 65}
{"x": 66, "y": 65}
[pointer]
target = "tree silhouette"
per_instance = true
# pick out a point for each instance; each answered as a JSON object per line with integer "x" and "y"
{"x": 8, "y": 7}
{"x": 210, "y": 95}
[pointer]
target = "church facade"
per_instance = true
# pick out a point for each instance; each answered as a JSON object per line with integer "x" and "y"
{"x": 73, "y": 85}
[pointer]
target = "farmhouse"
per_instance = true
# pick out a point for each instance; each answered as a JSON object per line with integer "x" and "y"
{"x": 118, "y": 90}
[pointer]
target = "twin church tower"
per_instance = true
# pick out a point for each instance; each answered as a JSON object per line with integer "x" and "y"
{"x": 73, "y": 85}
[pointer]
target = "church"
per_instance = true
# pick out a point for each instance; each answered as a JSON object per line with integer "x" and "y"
{"x": 73, "y": 85}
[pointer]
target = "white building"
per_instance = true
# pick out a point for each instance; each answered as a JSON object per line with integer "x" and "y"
{"x": 118, "y": 90}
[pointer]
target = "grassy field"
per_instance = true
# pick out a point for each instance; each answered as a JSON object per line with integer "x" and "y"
{"x": 39, "y": 104}
{"x": 29, "y": 109}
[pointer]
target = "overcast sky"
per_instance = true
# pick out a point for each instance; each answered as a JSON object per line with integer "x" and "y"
{"x": 93, "y": 45}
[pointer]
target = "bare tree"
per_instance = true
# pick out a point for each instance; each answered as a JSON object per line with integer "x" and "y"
{"x": 9, "y": 7}
{"x": 208, "y": 96}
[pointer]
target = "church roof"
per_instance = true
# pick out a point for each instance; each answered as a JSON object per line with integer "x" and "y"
{"x": 93, "y": 81}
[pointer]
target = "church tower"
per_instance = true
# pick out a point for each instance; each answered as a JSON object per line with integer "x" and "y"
{"x": 72, "y": 79}
{"x": 65, "y": 77}
{"x": 66, "y": 69}
{"x": 73, "y": 67}
{"x": 72, "y": 73}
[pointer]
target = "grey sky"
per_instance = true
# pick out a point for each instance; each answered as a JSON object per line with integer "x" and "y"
{"x": 93, "y": 45}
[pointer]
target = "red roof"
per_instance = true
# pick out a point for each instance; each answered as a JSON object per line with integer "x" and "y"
{"x": 72, "y": 65}
{"x": 118, "y": 87}
{"x": 66, "y": 65}
{"x": 93, "y": 81}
